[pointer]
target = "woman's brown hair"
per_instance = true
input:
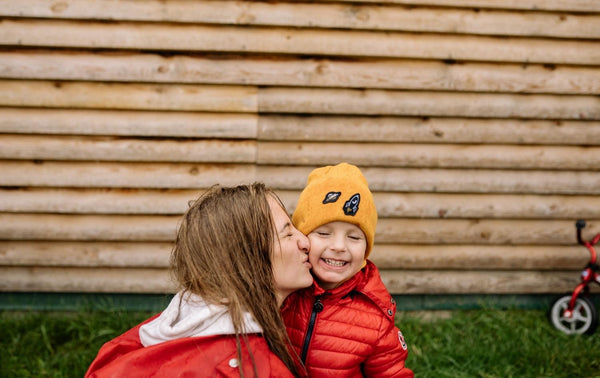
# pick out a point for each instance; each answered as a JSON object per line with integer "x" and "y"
{"x": 223, "y": 254}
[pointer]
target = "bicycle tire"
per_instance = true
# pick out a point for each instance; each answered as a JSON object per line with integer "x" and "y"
{"x": 584, "y": 320}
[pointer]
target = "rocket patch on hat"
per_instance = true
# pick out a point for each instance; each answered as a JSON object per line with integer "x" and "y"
{"x": 351, "y": 206}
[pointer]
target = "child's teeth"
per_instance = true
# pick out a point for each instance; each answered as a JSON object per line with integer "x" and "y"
{"x": 334, "y": 262}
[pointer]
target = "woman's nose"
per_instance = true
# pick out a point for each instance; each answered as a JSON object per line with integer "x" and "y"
{"x": 303, "y": 242}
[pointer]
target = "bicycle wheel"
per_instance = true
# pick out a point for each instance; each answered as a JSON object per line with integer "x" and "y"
{"x": 583, "y": 321}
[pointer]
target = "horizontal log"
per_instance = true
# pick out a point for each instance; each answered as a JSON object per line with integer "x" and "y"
{"x": 182, "y": 124}
{"x": 27, "y": 147}
{"x": 476, "y": 231}
{"x": 486, "y": 206}
{"x": 157, "y": 228}
{"x": 85, "y": 254}
{"x": 86, "y": 280}
{"x": 386, "y": 256}
{"x": 428, "y": 104}
{"x": 322, "y": 15}
{"x": 476, "y": 257}
{"x": 112, "y": 280}
{"x": 389, "y": 205}
{"x": 97, "y": 148}
{"x": 128, "y": 123}
{"x": 378, "y": 73}
{"x": 123, "y": 175}
{"x": 426, "y": 130}
{"x": 273, "y": 40}
{"x": 128, "y": 96}
{"x": 295, "y": 100}
{"x": 450, "y": 180}
{"x": 549, "y": 5}
{"x": 160, "y": 228}
{"x": 194, "y": 176}
{"x": 426, "y": 155}
{"x": 97, "y": 201}
{"x": 478, "y": 282}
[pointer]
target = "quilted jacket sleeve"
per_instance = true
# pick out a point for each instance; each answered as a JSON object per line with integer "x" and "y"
{"x": 389, "y": 354}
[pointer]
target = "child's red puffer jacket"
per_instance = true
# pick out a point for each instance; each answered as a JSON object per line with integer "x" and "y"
{"x": 348, "y": 331}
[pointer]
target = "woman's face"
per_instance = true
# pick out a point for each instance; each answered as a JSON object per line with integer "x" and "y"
{"x": 291, "y": 268}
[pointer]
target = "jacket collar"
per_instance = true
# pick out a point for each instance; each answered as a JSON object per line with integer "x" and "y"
{"x": 366, "y": 282}
{"x": 188, "y": 315}
{"x": 354, "y": 283}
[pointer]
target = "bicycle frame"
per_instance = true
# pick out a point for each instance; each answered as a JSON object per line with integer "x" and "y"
{"x": 589, "y": 274}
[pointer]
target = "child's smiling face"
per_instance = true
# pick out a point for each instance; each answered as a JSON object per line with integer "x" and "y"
{"x": 337, "y": 252}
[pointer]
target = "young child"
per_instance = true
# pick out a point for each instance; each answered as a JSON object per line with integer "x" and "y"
{"x": 343, "y": 325}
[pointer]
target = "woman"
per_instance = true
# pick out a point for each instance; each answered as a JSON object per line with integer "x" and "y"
{"x": 237, "y": 256}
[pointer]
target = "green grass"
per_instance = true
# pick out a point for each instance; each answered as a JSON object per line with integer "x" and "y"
{"x": 57, "y": 344}
{"x": 496, "y": 343}
{"x": 475, "y": 343}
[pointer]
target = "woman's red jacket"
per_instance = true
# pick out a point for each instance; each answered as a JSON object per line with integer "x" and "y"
{"x": 211, "y": 356}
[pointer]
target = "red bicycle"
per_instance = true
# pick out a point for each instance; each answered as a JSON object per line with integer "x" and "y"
{"x": 574, "y": 313}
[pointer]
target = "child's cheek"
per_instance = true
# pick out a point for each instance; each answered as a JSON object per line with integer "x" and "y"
{"x": 314, "y": 249}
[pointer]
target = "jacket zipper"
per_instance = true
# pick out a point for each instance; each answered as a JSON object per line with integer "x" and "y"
{"x": 317, "y": 307}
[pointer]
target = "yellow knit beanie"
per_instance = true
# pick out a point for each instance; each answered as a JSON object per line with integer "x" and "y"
{"x": 337, "y": 193}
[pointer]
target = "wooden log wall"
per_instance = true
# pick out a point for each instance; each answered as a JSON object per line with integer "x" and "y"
{"x": 477, "y": 124}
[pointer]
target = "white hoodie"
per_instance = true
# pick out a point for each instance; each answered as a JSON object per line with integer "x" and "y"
{"x": 189, "y": 316}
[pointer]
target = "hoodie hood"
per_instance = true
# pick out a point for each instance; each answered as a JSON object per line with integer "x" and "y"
{"x": 189, "y": 316}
